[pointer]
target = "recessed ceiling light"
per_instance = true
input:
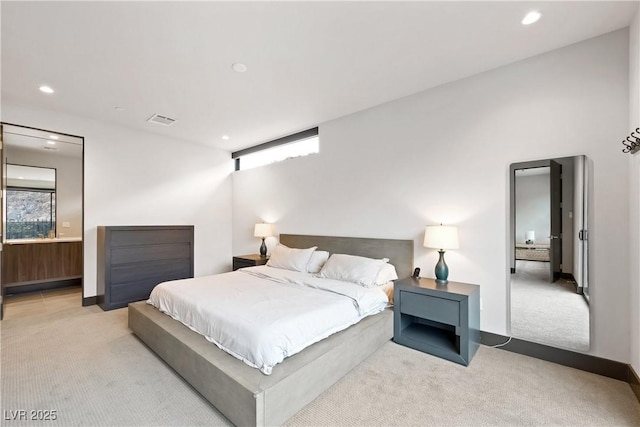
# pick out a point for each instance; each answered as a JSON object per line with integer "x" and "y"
{"x": 225, "y": 137}
{"x": 239, "y": 67}
{"x": 51, "y": 142}
{"x": 21, "y": 177}
{"x": 531, "y": 17}
{"x": 46, "y": 89}
{"x": 53, "y": 136}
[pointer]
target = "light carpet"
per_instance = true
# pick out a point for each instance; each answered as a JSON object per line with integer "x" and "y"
{"x": 545, "y": 312}
{"x": 86, "y": 365}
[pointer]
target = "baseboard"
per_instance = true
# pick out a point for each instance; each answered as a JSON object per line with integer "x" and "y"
{"x": 567, "y": 276}
{"x": 42, "y": 286}
{"x": 572, "y": 359}
{"x": 572, "y": 280}
{"x": 634, "y": 382}
{"x": 89, "y": 301}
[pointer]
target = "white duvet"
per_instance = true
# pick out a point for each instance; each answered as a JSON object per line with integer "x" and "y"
{"x": 262, "y": 314}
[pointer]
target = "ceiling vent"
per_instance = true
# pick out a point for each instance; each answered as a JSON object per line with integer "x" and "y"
{"x": 161, "y": 120}
{"x": 50, "y": 148}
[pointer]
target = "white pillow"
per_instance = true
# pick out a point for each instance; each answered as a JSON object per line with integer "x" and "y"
{"x": 386, "y": 274}
{"x": 351, "y": 268}
{"x": 318, "y": 258}
{"x": 290, "y": 259}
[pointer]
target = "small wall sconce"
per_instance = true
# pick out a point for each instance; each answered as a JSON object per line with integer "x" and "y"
{"x": 263, "y": 231}
{"x": 441, "y": 237}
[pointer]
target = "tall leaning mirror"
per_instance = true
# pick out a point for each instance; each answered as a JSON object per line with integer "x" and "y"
{"x": 548, "y": 237}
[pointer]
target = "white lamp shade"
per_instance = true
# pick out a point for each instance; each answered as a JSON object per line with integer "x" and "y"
{"x": 441, "y": 237}
{"x": 263, "y": 230}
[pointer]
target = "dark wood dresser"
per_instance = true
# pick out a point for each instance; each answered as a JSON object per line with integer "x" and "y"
{"x": 132, "y": 260}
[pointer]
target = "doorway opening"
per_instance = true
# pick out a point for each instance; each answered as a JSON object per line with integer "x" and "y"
{"x": 42, "y": 221}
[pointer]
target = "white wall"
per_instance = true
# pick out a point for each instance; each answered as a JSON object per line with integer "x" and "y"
{"x": 533, "y": 207}
{"x": 634, "y": 193}
{"x": 68, "y": 185}
{"x": 443, "y": 156}
{"x": 137, "y": 178}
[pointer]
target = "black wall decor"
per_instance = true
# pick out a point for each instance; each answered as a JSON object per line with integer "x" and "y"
{"x": 632, "y": 142}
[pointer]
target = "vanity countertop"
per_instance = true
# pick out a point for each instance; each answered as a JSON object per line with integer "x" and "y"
{"x": 56, "y": 240}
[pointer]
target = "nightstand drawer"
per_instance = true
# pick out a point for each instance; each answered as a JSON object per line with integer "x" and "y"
{"x": 239, "y": 263}
{"x": 251, "y": 260}
{"x": 433, "y": 308}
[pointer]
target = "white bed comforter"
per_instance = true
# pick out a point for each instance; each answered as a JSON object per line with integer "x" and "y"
{"x": 262, "y": 314}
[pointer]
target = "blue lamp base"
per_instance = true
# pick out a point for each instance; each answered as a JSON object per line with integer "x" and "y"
{"x": 263, "y": 249}
{"x": 442, "y": 271}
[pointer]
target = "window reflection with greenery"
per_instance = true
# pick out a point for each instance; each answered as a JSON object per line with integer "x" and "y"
{"x": 30, "y": 214}
{"x": 31, "y": 202}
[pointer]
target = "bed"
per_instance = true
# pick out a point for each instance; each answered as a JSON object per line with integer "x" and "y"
{"x": 245, "y": 395}
{"x": 532, "y": 252}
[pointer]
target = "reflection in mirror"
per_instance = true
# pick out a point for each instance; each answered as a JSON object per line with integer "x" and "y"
{"x": 42, "y": 178}
{"x": 31, "y": 202}
{"x": 548, "y": 246}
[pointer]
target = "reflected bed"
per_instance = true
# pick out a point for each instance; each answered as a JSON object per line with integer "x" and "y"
{"x": 532, "y": 252}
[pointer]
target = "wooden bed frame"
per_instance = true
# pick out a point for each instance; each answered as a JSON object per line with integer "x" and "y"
{"x": 245, "y": 395}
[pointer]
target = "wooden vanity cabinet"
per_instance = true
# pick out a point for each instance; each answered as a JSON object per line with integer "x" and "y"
{"x": 46, "y": 261}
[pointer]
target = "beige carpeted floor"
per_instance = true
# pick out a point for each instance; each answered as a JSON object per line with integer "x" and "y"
{"x": 87, "y": 366}
{"x": 548, "y": 313}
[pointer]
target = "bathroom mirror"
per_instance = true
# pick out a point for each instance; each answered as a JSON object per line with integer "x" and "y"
{"x": 548, "y": 239}
{"x": 42, "y": 180}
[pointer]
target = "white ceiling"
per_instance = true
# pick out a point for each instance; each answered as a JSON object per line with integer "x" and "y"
{"x": 21, "y": 138}
{"x": 31, "y": 177}
{"x": 543, "y": 170}
{"x": 308, "y": 62}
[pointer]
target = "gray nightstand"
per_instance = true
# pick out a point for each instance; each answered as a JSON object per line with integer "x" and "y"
{"x": 443, "y": 320}
{"x": 251, "y": 260}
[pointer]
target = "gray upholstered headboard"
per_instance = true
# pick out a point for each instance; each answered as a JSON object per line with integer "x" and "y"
{"x": 399, "y": 252}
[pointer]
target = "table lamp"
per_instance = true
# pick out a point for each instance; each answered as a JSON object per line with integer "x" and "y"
{"x": 441, "y": 237}
{"x": 263, "y": 231}
{"x": 530, "y": 237}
